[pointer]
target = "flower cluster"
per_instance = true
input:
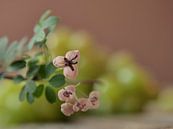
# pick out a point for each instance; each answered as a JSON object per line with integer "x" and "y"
{"x": 73, "y": 103}
{"x": 68, "y": 95}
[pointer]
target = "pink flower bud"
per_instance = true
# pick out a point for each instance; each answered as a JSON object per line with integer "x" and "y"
{"x": 67, "y": 109}
{"x": 94, "y": 99}
{"x": 59, "y": 61}
{"x": 82, "y": 104}
{"x": 67, "y": 94}
{"x": 71, "y": 74}
{"x": 73, "y": 55}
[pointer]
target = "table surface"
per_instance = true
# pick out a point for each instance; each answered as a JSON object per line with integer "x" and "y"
{"x": 138, "y": 121}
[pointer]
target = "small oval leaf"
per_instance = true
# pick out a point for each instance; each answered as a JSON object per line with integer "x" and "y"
{"x": 50, "y": 95}
{"x": 30, "y": 98}
{"x": 30, "y": 86}
{"x": 17, "y": 65}
{"x": 39, "y": 90}
{"x": 18, "y": 79}
{"x": 22, "y": 94}
{"x": 57, "y": 80}
{"x": 50, "y": 68}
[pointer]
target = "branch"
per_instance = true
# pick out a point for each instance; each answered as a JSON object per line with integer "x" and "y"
{"x": 8, "y": 76}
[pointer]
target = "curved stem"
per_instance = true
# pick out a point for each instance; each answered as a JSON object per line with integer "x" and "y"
{"x": 91, "y": 82}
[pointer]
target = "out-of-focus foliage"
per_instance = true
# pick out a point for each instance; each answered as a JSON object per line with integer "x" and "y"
{"x": 164, "y": 101}
{"x": 10, "y": 51}
{"x": 30, "y": 67}
{"x": 126, "y": 87}
{"x": 14, "y": 111}
{"x": 13, "y": 59}
{"x": 45, "y": 25}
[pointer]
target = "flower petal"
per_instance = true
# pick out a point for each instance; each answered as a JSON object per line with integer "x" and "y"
{"x": 94, "y": 99}
{"x": 76, "y": 107}
{"x": 61, "y": 95}
{"x": 71, "y": 88}
{"x": 82, "y": 104}
{"x": 69, "y": 73}
{"x": 59, "y": 61}
{"x": 67, "y": 94}
{"x": 67, "y": 109}
{"x": 94, "y": 94}
{"x": 73, "y": 55}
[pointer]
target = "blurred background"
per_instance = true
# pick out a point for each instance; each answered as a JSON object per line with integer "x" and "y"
{"x": 142, "y": 27}
{"x": 130, "y": 41}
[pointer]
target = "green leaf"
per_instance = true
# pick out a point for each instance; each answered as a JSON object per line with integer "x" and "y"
{"x": 42, "y": 72}
{"x": 39, "y": 90}
{"x": 22, "y": 46}
{"x": 45, "y": 15}
{"x": 31, "y": 43}
{"x": 33, "y": 68}
{"x": 32, "y": 72}
{"x": 3, "y": 47}
{"x": 3, "y": 42}
{"x": 32, "y": 62}
{"x": 11, "y": 52}
{"x": 57, "y": 80}
{"x": 45, "y": 25}
{"x": 50, "y": 68}
{"x": 30, "y": 86}
{"x": 40, "y": 36}
{"x": 30, "y": 98}
{"x": 22, "y": 94}
{"x": 18, "y": 79}
{"x": 37, "y": 28}
{"x": 46, "y": 70}
{"x": 17, "y": 65}
{"x": 28, "y": 91}
{"x": 50, "y": 23}
{"x": 50, "y": 95}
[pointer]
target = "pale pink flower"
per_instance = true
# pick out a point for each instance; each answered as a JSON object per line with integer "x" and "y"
{"x": 71, "y": 74}
{"x": 67, "y": 94}
{"x": 59, "y": 61}
{"x": 69, "y": 63}
{"x": 94, "y": 99}
{"x": 73, "y": 55}
{"x": 82, "y": 104}
{"x": 67, "y": 109}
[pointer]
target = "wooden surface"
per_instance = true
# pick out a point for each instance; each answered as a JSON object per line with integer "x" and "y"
{"x": 142, "y": 121}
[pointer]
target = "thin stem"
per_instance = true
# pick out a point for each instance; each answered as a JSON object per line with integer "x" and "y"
{"x": 90, "y": 82}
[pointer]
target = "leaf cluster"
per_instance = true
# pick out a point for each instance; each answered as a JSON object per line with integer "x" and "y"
{"x": 39, "y": 77}
{"x": 10, "y": 51}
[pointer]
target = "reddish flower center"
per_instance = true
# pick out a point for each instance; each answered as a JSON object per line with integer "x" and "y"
{"x": 81, "y": 106}
{"x": 93, "y": 99}
{"x": 70, "y": 63}
{"x": 67, "y": 93}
